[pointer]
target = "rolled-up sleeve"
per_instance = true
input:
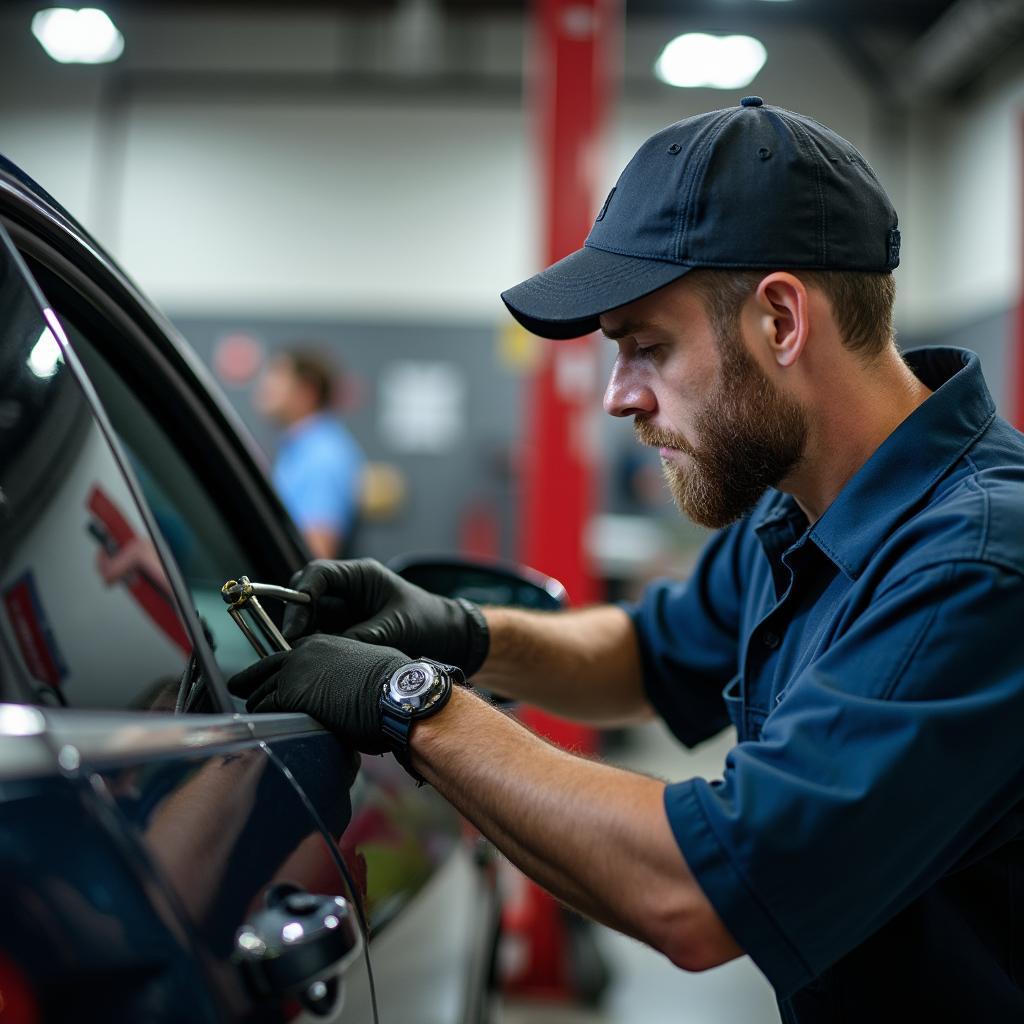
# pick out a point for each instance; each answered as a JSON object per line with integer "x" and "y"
{"x": 688, "y": 634}
{"x": 886, "y": 761}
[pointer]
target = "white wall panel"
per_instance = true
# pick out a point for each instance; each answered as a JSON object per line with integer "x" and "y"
{"x": 327, "y": 207}
{"x": 965, "y": 202}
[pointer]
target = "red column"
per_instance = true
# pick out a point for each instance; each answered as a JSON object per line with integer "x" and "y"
{"x": 1016, "y": 402}
{"x": 573, "y": 68}
{"x": 573, "y": 65}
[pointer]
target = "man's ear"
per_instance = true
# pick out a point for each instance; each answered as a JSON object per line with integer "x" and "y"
{"x": 783, "y": 315}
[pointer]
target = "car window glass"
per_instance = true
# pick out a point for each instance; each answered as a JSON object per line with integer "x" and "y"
{"x": 197, "y": 531}
{"x": 87, "y": 617}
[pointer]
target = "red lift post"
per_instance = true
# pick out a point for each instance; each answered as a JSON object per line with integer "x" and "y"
{"x": 572, "y": 71}
{"x": 1016, "y": 398}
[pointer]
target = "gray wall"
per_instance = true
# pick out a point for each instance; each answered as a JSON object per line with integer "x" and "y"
{"x": 991, "y": 336}
{"x": 477, "y": 467}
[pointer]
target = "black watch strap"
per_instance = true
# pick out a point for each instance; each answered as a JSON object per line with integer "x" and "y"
{"x": 395, "y": 725}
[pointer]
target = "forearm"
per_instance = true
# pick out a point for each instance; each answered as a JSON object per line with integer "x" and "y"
{"x": 581, "y": 664}
{"x": 595, "y": 836}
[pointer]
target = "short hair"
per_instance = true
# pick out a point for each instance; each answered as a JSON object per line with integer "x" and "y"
{"x": 862, "y": 301}
{"x": 316, "y": 371}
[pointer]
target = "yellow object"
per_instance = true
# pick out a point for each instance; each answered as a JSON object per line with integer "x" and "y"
{"x": 383, "y": 491}
{"x": 518, "y": 350}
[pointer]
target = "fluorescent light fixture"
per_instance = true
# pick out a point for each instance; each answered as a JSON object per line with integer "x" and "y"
{"x": 85, "y": 36}
{"x": 697, "y": 60}
{"x": 46, "y": 356}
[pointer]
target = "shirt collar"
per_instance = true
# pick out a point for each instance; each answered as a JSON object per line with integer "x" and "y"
{"x": 306, "y": 425}
{"x": 910, "y": 460}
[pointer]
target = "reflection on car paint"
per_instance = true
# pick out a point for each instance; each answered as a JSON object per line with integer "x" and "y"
{"x": 402, "y": 833}
{"x": 84, "y": 936}
{"x": 205, "y": 826}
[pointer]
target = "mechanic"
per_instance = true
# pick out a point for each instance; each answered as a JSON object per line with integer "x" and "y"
{"x": 856, "y": 618}
{"x": 319, "y": 467}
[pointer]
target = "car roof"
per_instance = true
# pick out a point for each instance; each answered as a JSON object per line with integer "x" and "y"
{"x": 11, "y": 170}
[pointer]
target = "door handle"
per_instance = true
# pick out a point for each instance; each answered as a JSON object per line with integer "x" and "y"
{"x": 300, "y": 945}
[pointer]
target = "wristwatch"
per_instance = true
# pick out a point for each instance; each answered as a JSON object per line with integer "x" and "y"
{"x": 415, "y": 691}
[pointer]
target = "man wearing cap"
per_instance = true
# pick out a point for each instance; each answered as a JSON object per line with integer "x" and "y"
{"x": 854, "y": 618}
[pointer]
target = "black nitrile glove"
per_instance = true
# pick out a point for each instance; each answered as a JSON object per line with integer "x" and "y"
{"x": 364, "y": 600}
{"x": 333, "y": 679}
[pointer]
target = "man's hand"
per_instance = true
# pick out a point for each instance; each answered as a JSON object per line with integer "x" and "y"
{"x": 333, "y": 679}
{"x": 363, "y": 600}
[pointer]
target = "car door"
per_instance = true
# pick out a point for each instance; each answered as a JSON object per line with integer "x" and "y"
{"x": 137, "y": 845}
{"x": 427, "y": 894}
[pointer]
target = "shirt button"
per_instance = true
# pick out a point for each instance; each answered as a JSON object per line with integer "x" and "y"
{"x": 770, "y": 639}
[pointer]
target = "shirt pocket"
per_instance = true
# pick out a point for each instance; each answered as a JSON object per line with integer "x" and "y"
{"x": 732, "y": 694}
{"x": 748, "y": 721}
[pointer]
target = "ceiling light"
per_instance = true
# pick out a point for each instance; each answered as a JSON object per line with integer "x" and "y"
{"x": 698, "y": 60}
{"x": 86, "y": 36}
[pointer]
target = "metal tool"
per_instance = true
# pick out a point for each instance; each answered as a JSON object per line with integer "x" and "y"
{"x": 242, "y": 597}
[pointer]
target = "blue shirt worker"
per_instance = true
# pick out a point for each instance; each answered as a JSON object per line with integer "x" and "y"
{"x": 856, "y": 617}
{"x": 319, "y": 466}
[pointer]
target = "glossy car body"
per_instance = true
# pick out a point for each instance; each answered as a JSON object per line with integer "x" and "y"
{"x": 137, "y": 842}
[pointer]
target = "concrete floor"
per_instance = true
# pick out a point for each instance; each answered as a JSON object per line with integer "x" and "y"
{"x": 647, "y": 987}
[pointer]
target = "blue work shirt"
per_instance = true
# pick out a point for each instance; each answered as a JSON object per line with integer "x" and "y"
{"x": 318, "y": 472}
{"x": 865, "y": 845}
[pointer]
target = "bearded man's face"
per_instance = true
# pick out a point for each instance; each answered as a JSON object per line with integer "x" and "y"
{"x": 748, "y": 436}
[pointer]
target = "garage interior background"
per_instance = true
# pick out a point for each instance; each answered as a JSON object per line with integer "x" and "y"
{"x": 362, "y": 173}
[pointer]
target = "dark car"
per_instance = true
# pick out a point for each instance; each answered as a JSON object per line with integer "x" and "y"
{"x": 165, "y": 856}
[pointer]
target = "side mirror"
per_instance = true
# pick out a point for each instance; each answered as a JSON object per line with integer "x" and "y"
{"x": 482, "y": 581}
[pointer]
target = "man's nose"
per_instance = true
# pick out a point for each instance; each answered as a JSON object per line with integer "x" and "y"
{"x": 627, "y": 394}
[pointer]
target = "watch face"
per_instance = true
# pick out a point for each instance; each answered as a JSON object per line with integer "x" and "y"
{"x": 411, "y": 681}
{"x": 413, "y": 686}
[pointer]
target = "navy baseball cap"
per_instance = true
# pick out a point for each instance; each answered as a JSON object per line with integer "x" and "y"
{"x": 749, "y": 187}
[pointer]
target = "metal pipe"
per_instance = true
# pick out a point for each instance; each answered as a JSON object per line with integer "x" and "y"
{"x": 958, "y": 46}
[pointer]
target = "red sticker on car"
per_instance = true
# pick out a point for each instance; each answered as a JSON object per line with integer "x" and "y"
{"x": 32, "y": 631}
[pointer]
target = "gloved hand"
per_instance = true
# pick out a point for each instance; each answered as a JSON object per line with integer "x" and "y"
{"x": 333, "y": 679}
{"x": 364, "y": 600}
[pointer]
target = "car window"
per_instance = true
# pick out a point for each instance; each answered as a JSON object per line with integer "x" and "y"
{"x": 87, "y": 616}
{"x": 198, "y": 532}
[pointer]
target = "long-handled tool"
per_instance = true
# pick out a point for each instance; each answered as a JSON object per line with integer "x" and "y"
{"x": 242, "y": 598}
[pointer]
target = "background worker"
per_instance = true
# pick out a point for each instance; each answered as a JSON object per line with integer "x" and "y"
{"x": 319, "y": 466}
{"x": 854, "y": 617}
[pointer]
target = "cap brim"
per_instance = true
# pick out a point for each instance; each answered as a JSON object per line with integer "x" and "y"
{"x": 566, "y": 299}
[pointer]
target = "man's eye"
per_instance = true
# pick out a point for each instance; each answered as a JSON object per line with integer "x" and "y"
{"x": 649, "y": 351}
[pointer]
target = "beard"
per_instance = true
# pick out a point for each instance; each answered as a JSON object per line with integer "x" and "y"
{"x": 749, "y": 436}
